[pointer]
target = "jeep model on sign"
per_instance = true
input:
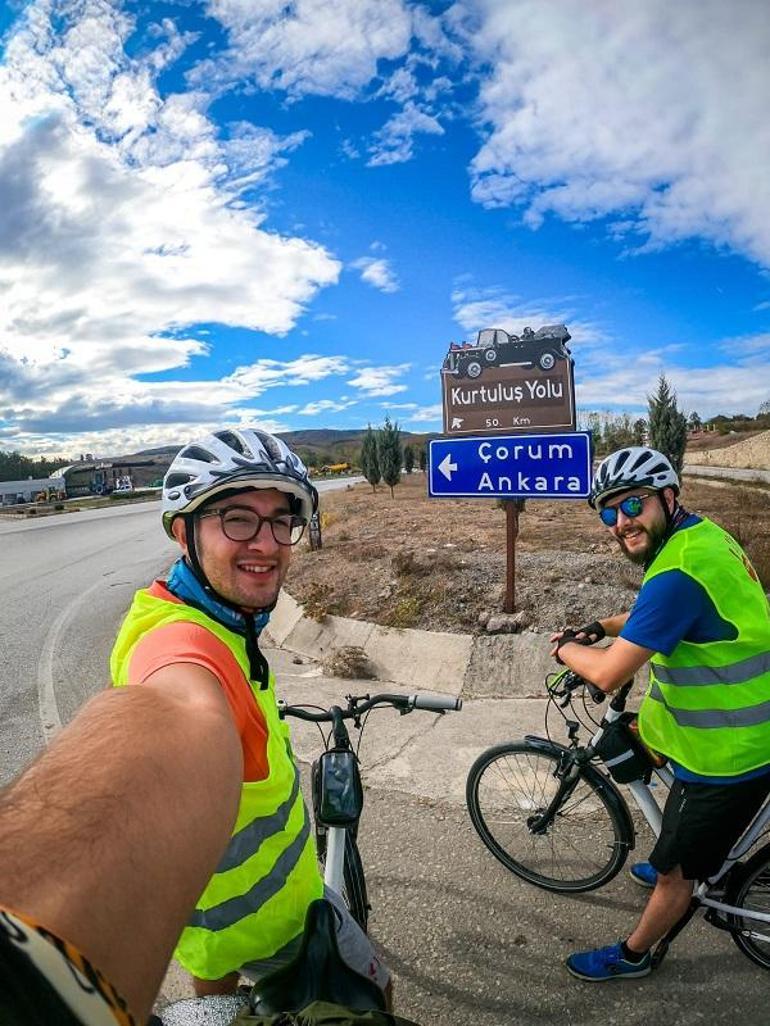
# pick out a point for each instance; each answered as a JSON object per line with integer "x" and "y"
{"x": 494, "y": 347}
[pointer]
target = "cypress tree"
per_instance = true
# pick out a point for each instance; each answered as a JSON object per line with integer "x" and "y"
{"x": 668, "y": 425}
{"x": 391, "y": 456}
{"x": 408, "y": 459}
{"x": 370, "y": 460}
{"x": 423, "y": 458}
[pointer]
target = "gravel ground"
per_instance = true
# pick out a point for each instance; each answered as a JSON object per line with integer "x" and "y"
{"x": 410, "y": 561}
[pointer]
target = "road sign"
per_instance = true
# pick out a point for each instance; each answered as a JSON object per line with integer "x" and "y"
{"x": 508, "y": 383}
{"x": 550, "y": 466}
{"x": 505, "y": 399}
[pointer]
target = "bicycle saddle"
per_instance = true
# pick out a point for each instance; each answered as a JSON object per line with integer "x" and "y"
{"x": 318, "y": 973}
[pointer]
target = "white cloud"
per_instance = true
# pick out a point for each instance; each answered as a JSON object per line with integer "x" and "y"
{"x": 312, "y": 409}
{"x": 394, "y": 142}
{"x": 425, "y": 415}
{"x": 121, "y": 227}
{"x": 655, "y": 113}
{"x": 476, "y": 308}
{"x": 377, "y": 271}
{"x": 309, "y": 46}
{"x": 380, "y": 380}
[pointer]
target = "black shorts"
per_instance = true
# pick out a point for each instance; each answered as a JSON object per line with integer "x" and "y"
{"x": 45, "y": 981}
{"x": 701, "y": 823}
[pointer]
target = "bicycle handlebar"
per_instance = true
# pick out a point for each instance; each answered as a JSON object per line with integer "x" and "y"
{"x": 436, "y": 703}
{"x": 359, "y": 704}
{"x": 573, "y": 680}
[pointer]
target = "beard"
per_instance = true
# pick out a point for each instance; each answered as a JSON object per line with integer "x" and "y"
{"x": 644, "y": 553}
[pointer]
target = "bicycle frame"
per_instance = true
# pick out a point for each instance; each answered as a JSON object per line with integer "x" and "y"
{"x": 335, "y": 858}
{"x": 339, "y": 741}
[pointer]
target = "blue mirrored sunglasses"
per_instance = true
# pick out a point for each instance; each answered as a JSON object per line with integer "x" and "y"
{"x": 631, "y": 507}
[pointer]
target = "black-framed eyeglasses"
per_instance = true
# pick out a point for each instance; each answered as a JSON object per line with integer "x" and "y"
{"x": 242, "y": 524}
{"x": 631, "y": 506}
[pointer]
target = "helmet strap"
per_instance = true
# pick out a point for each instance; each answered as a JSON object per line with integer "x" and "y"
{"x": 673, "y": 520}
{"x": 258, "y": 663}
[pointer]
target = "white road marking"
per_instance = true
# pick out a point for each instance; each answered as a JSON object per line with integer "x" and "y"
{"x": 48, "y": 708}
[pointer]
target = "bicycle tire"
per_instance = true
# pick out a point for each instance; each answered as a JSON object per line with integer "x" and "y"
{"x": 511, "y": 783}
{"x": 751, "y": 890}
{"x": 354, "y": 892}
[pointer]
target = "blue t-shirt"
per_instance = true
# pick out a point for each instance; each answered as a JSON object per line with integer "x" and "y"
{"x": 673, "y": 607}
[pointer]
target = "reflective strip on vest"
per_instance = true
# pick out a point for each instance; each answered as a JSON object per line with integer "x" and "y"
{"x": 229, "y": 912}
{"x": 735, "y": 673}
{"x": 248, "y": 840}
{"x": 750, "y": 716}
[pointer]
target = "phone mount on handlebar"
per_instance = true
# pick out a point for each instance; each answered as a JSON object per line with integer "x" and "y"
{"x": 338, "y": 795}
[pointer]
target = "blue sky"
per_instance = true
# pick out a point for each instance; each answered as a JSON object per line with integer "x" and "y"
{"x": 258, "y": 211}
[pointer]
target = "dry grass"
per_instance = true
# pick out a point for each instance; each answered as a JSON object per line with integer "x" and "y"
{"x": 436, "y": 563}
{"x": 349, "y": 662}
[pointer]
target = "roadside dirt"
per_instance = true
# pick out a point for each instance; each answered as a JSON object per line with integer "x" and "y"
{"x": 439, "y": 565}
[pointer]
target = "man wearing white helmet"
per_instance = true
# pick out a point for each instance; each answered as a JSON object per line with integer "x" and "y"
{"x": 701, "y": 619}
{"x": 236, "y": 501}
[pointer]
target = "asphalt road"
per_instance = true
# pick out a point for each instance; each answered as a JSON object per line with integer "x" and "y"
{"x": 66, "y": 581}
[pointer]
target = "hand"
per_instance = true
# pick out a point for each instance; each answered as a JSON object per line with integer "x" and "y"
{"x": 564, "y": 637}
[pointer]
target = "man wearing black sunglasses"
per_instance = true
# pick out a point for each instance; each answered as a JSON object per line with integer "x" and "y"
{"x": 701, "y": 620}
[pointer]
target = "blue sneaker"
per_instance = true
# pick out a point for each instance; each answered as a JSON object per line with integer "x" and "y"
{"x": 643, "y": 874}
{"x": 607, "y": 964}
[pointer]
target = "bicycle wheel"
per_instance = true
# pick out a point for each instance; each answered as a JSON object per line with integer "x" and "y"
{"x": 587, "y": 841}
{"x": 353, "y": 880}
{"x": 752, "y": 892}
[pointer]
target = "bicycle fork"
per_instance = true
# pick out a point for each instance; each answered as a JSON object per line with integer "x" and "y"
{"x": 540, "y": 823}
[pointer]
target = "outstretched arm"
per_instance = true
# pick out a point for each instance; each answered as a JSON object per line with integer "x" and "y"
{"x": 110, "y": 837}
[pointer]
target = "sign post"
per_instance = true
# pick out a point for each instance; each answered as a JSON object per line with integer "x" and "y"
{"x": 511, "y": 468}
{"x": 497, "y": 390}
{"x": 511, "y": 534}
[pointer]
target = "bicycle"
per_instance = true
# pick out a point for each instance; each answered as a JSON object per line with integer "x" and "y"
{"x": 554, "y": 816}
{"x": 318, "y": 973}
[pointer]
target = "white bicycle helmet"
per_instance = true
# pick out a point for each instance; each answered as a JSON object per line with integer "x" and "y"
{"x": 234, "y": 458}
{"x": 632, "y": 467}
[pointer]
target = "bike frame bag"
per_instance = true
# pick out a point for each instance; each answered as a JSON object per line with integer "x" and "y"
{"x": 338, "y": 796}
{"x": 623, "y": 752}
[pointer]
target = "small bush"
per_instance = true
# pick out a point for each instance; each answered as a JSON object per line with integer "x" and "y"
{"x": 348, "y": 661}
{"x": 406, "y": 564}
{"x": 319, "y": 601}
{"x": 405, "y": 613}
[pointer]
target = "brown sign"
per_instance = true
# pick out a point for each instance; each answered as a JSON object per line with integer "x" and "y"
{"x": 508, "y": 398}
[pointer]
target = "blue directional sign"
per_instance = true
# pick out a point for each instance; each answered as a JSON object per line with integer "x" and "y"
{"x": 511, "y": 467}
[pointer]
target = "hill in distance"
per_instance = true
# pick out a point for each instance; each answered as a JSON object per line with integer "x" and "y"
{"x": 320, "y": 445}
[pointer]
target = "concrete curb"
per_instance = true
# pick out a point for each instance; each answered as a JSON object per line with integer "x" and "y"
{"x": 489, "y": 666}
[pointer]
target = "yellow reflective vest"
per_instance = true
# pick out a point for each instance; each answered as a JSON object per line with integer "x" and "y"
{"x": 708, "y": 705}
{"x": 255, "y": 903}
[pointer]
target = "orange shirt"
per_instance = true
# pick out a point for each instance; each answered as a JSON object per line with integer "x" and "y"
{"x": 191, "y": 643}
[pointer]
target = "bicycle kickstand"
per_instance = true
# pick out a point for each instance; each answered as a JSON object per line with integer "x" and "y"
{"x": 661, "y": 948}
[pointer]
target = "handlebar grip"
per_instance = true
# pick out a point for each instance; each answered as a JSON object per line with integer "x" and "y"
{"x": 596, "y": 693}
{"x": 437, "y": 703}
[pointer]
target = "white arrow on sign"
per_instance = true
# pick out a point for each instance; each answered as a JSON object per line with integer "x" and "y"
{"x": 457, "y": 422}
{"x": 447, "y": 467}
